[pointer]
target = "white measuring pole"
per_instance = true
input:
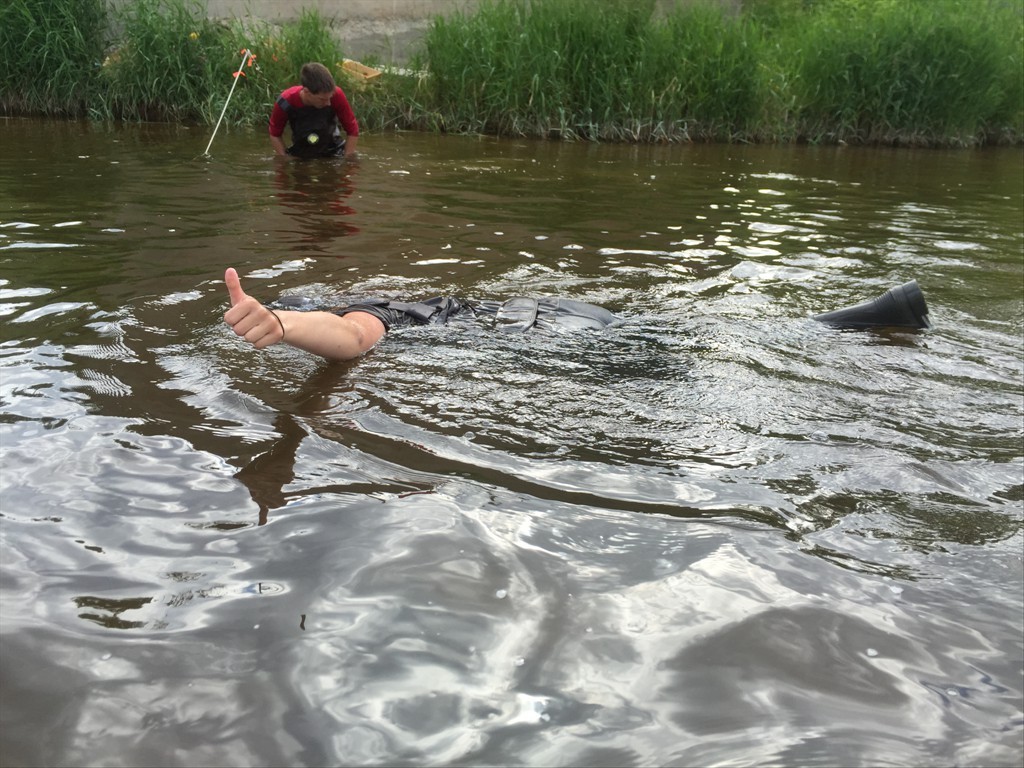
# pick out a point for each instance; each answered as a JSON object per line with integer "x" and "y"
{"x": 238, "y": 74}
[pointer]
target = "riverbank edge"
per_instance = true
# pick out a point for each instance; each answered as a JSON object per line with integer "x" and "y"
{"x": 400, "y": 100}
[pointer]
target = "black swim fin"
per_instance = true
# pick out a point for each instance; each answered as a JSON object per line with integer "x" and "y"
{"x": 900, "y": 307}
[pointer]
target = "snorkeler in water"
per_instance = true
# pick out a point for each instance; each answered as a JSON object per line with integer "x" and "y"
{"x": 348, "y": 332}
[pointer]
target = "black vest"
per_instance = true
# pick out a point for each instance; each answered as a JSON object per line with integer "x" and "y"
{"x": 315, "y": 131}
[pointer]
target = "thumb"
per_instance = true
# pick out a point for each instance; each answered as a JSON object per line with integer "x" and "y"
{"x": 234, "y": 285}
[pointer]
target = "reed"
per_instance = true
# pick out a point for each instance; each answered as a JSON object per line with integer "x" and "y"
{"x": 594, "y": 70}
{"x": 168, "y": 60}
{"x": 703, "y": 68}
{"x": 165, "y": 62}
{"x": 50, "y": 54}
{"x": 913, "y": 71}
{"x": 932, "y": 72}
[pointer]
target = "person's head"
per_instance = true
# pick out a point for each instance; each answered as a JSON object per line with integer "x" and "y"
{"x": 318, "y": 83}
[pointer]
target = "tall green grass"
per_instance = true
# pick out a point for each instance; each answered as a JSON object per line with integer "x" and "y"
{"x": 596, "y": 70}
{"x": 50, "y": 55}
{"x": 159, "y": 60}
{"x": 166, "y": 62}
{"x": 868, "y": 71}
{"x": 173, "y": 63}
{"x": 935, "y": 72}
{"x": 912, "y": 71}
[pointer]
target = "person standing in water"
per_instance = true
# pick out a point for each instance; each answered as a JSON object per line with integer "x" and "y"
{"x": 314, "y": 110}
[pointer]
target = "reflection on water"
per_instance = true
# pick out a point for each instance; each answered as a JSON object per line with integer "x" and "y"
{"x": 315, "y": 197}
{"x": 718, "y": 533}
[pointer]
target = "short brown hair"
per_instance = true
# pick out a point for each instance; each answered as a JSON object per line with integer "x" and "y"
{"x": 316, "y": 78}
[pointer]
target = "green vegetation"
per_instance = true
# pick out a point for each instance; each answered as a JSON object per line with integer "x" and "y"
{"x": 50, "y": 53}
{"x": 167, "y": 60}
{"x": 593, "y": 70}
{"x": 162, "y": 68}
{"x": 913, "y": 71}
{"x": 923, "y": 72}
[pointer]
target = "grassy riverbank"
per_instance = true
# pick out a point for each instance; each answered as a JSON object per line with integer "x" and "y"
{"x": 920, "y": 72}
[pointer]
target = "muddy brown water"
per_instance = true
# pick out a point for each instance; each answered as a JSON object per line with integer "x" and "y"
{"x": 718, "y": 534}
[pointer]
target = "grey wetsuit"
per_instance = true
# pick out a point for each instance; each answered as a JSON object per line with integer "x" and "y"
{"x": 518, "y": 314}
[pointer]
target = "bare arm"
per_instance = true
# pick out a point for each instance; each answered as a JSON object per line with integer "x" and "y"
{"x": 278, "y": 144}
{"x": 347, "y": 120}
{"x": 276, "y": 126}
{"x": 322, "y": 333}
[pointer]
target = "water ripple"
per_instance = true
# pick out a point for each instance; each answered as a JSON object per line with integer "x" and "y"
{"x": 718, "y": 533}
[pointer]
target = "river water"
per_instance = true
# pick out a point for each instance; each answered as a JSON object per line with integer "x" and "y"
{"x": 718, "y": 534}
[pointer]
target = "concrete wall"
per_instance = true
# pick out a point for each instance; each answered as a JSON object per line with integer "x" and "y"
{"x": 388, "y": 29}
{"x": 275, "y": 10}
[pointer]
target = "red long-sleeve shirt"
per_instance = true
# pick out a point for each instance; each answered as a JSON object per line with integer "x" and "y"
{"x": 346, "y": 117}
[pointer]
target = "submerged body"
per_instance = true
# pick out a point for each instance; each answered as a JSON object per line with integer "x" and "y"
{"x": 347, "y": 332}
{"x": 521, "y": 313}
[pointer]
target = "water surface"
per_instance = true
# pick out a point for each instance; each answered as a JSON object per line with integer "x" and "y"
{"x": 719, "y": 533}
